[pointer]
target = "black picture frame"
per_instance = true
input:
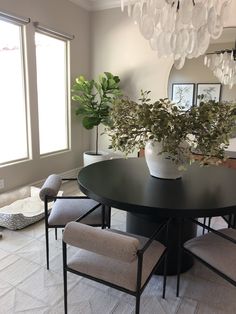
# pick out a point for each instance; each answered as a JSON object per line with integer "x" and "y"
{"x": 183, "y": 94}
{"x": 211, "y": 91}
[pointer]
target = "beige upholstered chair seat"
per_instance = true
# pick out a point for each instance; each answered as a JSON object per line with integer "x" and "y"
{"x": 68, "y": 208}
{"x": 118, "y": 259}
{"x": 216, "y": 251}
{"x": 117, "y": 271}
{"x": 61, "y": 216}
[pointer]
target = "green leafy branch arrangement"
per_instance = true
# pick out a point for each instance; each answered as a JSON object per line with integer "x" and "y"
{"x": 212, "y": 123}
{"x": 205, "y": 128}
{"x": 95, "y": 99}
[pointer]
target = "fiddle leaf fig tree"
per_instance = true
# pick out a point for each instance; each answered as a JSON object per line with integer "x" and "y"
{"x": 95, "y": 99}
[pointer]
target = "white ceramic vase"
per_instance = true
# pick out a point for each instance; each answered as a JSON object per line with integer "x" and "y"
{"x": 90, "y": 157}
{"x": 160, "y": 165}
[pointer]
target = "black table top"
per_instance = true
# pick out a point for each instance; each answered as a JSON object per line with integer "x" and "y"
{"x": 127, "y": 184}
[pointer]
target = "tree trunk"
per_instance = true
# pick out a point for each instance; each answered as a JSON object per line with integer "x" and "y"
{"x": 96, "y": 147}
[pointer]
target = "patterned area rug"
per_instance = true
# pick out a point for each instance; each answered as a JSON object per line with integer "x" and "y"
{"x": 27, "y": 287}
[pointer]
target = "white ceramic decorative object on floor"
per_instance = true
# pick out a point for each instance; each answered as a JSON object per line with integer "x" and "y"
{"x": 160, "y": 165}
{"x": 90, "y": 157}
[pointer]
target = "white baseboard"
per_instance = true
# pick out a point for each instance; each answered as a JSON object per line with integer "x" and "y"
{"x": 71, "y": 173}
{"x": 67, "y": 174}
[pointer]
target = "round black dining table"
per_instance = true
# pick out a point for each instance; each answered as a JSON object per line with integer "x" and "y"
{"x": 126, "y": 184}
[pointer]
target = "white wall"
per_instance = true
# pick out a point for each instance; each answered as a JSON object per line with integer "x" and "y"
{"x": 230, "y": 17}
{"x": 194, "y": 71}
{"x": 118, "y": 47}
{"x": 64, "y": 16}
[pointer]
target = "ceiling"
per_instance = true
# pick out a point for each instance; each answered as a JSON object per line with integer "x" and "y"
{"x": 94, "y": 5}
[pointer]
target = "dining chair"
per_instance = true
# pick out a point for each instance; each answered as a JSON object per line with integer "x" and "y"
{"x": 117, "y": 259}
{"x": 215, "y": 249}
{"x": 229, "y": 219}
{"x": 68, "y": 208}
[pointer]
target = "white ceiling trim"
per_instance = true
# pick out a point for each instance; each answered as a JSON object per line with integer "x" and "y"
{"x": 95, "y": 5}
{"x": 82, "y": 3}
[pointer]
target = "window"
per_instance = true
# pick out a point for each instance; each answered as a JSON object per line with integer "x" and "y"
{"x": 52, "y": 86}
{"x": 13, "y": 108}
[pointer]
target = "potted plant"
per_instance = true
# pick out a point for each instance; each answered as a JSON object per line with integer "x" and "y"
{"x": 95, "y": 99}
{"x": 169, "y": 134}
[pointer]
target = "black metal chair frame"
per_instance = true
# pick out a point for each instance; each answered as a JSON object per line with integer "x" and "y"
{"x": 47, "y": 199}
{"x": 230, "y": 220}
{"x": 181, "y": 247}
{"x": 140, "y": 252}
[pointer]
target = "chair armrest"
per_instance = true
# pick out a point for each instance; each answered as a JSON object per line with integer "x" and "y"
{"x": 50, "y": 187}
{"x": 65, "y": 197}
{"x": 216, "y": 232}
{"x": 69, "y": 179}
{"x": 153, "y": 237}
{"x": 117, "y": 246}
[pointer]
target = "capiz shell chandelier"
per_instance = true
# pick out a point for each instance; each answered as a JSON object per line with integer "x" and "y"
{"x": 178, "y": 28}
{"x": 223, "y": 65}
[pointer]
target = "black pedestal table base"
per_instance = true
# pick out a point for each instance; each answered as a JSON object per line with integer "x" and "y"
{"x": 144, "y": 226}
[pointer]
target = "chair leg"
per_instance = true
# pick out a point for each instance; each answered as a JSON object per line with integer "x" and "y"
{"x": 209, "y": 223}
{"x": 164, "y": 277}
{"x": 137, "y": 306}
{"x": 65, "y": 278}
{"x": 179, "y": 256}
{"x": 103, "y": 216}
{"x": 106, "y": 216}
{"x": 166, "y": 260}
{"x": 47, "y": 244}
{"x": 233, "y": 221}
{"x": 204, "y": 222}
{"x": 55, "y": 233}
{"x": 108, "y": 209}
{"x": 178, "y": 275}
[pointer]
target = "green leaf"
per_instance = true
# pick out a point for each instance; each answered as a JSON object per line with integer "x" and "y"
{"x": 81, "y": 111}
{"x": 104, "y": 83}
{"x": 95, "y": 98}
{"x": 76, "y": 98}
{"x": 108, "y": 75}
{"x": 90, "y": 122}
{"x": 80, "y": 79}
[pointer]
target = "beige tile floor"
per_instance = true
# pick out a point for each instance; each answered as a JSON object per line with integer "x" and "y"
{"x": 27, "y": 287}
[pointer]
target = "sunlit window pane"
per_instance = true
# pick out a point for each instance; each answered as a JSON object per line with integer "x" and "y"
{"x": 52, "y": 93}
{"x": 13, "y": 126}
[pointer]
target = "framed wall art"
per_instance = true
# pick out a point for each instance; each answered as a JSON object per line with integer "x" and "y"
{"x": 183, "y": 94}
{"x": 208, "y": 91}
